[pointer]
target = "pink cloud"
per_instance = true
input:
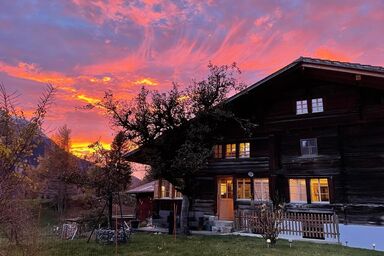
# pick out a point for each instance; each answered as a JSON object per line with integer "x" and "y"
{"x": 87, "y": 47}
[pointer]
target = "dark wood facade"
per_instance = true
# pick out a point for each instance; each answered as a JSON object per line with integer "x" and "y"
{"x": 349, "y": 134}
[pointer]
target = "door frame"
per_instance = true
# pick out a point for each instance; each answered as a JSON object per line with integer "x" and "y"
{"x": 218, "y": 197}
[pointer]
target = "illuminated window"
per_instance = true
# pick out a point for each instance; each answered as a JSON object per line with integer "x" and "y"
{"x": 178, "y": 194}
{"x": 301, "y": 107}
{"x": 165, "y": 189}
{"x": 319, "y": 191}
{"x": 244, "y": 188}
{"x": 218, "y": 151}
{"x": 308, "y": 147}
{"x": 226, "y": 188}
{"x": 230, "y": 151}
{"x": 298, "y": 190}
{"x": 261, "y": 189}
{"x": 317, "y": 105}
{"x": 244, "y": 150}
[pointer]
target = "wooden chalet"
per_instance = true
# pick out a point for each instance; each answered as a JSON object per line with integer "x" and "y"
{"x": 319, "y": 140}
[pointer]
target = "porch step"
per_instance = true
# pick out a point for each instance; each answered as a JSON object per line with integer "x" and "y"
{"x": 222, "y": 226}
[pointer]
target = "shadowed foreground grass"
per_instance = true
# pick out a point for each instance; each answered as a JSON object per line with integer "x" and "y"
{"x": 151, "y": 244}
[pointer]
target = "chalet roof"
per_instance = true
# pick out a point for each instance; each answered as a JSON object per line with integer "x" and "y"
{"x": 145, "y": 188}
{"x": 340, "y": 64}
{"x": 332, "y": 65}
{"x": 303, "y": 62}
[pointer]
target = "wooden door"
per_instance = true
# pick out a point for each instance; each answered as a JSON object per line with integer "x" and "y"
{"x": 144, "y": 207}
{"x": 225, "y": 198}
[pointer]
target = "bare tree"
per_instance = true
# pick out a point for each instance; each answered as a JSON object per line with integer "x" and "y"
{"x": 109, "y": 173}
{"x": 18, "y": 137}
{"x": 176, "y": 130}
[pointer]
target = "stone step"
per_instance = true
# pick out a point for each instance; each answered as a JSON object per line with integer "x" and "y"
{"x": 222, "y": 226}
{"x": 223, "y": 223}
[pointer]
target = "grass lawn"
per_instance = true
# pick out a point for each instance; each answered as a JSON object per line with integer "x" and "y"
{"x": 151, "y": 244}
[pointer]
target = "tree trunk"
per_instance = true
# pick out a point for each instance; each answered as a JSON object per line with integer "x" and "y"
{"x": 184, "y": 223}
{"x": 110, "y": 202}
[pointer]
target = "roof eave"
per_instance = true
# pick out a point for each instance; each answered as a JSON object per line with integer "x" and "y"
{"x": 345, "y": 70}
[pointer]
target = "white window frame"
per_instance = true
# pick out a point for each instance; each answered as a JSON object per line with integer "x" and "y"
{"x": 264, "y": 188}
{"x": 300, "y": 188}
{"x": 301, "y": 107}
{"x": 312, "y": 148}
{"x": 247, "y": 150}
{"x": 317, "y": 105}
{"x": 319, "y": 191}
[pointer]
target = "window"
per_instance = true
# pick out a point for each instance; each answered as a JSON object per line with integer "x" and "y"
{"x": 218, "y": 151}
{"x": 317, "y": 105}
{"x": 319, "y": 190}
{"x": 301, "y": 107}
{"x": 226, "y": 188}
{"x": 177, "y": 194}
{"x": 230, "y": 151}
{"x": 308, "y": 147}
{"x": 298, "y": 190}
{"x": 244, "y": 150}
{"x": 261, "y": 189}
{"x": 244, "y": 188}
{"x": 165, "y": 189}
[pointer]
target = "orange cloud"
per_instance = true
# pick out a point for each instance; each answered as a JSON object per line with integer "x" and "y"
{"x": 33, "y": 72}
{"x": 87, "y": 99}
{"x": 104, "y": 79}
{"x": 146, "y": 81}
{"x": 326, "y": 53}
{"x": 123, "y": 65}
{"x": 81, "y": 149}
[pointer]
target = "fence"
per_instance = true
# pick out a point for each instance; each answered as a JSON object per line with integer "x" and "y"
{"x": 313, "y": 225}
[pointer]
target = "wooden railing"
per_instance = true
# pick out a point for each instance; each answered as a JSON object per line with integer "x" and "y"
{"x": 315, "y": 225}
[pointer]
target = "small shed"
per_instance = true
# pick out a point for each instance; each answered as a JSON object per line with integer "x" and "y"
{"x": 144, "y": 200}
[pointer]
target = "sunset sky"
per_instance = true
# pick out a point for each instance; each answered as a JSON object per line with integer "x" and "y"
{"x": 85, "y": 47}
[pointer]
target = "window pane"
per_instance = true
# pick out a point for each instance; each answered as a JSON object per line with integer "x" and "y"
{"x": 244, "y": 188}
{"x": 223, "y": 190}
{"x": 319, "y": 190}
{"x": 297, "y": 190}
{"x": 230, "y": 151}
{"x": 261, "y": 189}
{"x": 301, "y": 107}
{"x": 218, "y": 151}
{"x": 226, "y": 188}
{"x": 165, "y": 189}
{"x": 177, "y": 194}
{"x": 244, "y": 150}
{"x": 308, "y": 147}
{"x": 317, "y": 105}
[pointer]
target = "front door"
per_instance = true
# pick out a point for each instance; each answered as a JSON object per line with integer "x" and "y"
{"x": 225, "y": 198}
